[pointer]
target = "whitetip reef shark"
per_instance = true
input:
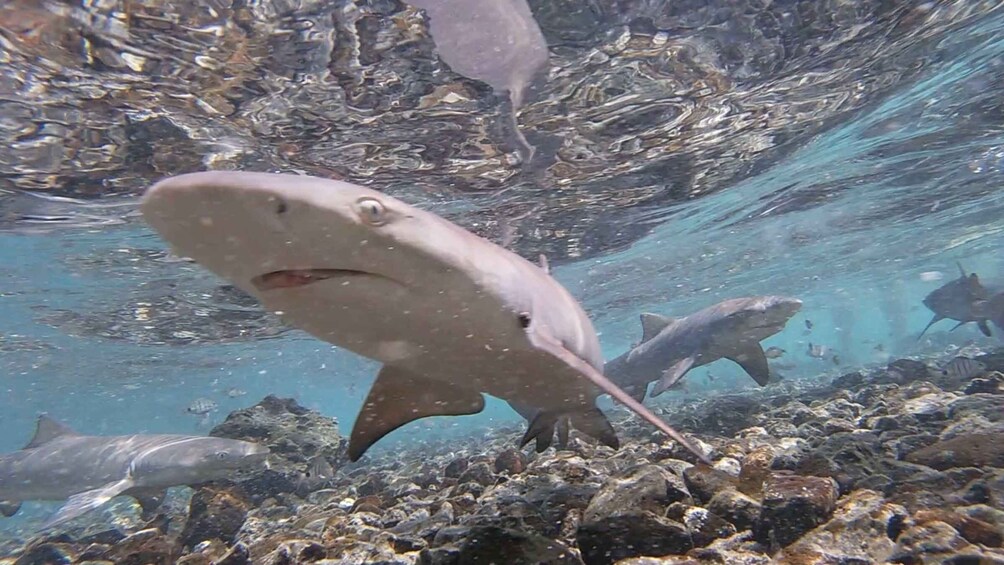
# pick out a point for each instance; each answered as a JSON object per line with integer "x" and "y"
{"x": 964, "y": 300}
{"x": 670, "y": 347}
{"x": 88, "y": 471}
{"x": 449, "y": 314}
{"x": 731, "y": 329}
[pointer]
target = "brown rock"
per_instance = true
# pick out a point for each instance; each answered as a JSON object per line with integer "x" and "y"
{"x": 968, "y": 450}
{"x": 973, "y": 529}
{"x": 793, "y": 505}
{"x": 511, "y": 461}
{"x": 755, "y": 470}
{"x": 214, "y": 513}
{"x": 739, "y": 509}
{"x": 703, "y": 482}
{"x": 918, "y": 544}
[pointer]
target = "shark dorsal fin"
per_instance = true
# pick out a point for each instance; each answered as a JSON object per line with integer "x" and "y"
{"x": 47, "y": 430}
{"x": 652, "y": 324}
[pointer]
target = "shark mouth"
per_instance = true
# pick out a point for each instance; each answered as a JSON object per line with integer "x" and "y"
{"x": 294, "y": 278}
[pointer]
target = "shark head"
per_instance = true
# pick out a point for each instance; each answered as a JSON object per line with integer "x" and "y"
{"x": 763, "y": 316}
{"x": 193, "y": 460}
{"x": 342, "y": 260}
{"x": 958, "y": 298}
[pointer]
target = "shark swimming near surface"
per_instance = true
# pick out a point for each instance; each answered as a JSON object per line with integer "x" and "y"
{"x": 449, "y": 314}
{"x": 88, "y": 471}
{"x": 964, "y": 300}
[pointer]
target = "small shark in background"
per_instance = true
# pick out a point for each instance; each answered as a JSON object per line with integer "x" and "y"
{"x": 670, "y": 347}
{"x": 449, "y": 314}
{"x": 964, "y": 300}
{"x": 88, "y": 471}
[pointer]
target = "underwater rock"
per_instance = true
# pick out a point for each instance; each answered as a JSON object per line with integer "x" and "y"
{"x": 489, "y": 544}
{"x": 215, "y": 512}
{"x": 511, "y": 461}
{"x": 906, "y": 370}
{"x": 969, "y": 450}
{"x": 146, "y": 547}
{"x": 991, "y": 384}
{"x": 456, "y": 468}
{"x": 610, "y": 539}
{"x": 292, "y": 552}
{"x": 293, "y": 434}
{"x": 479, "y": 473}
{"x": 863, "y": 529}
{"x": 847, "y": 458}
{"x": 972, "y": 529}
{"x": 737, "y": 508}
{"x": 646, "y": 488}
{"x": 924, "y": 543}
{"x": 755, "y": 469}
{"x": 703, "y": 482}
{"x": 793, "y": 505}
{"x": 705, "y": 527}
{"x": 47, "y": 554}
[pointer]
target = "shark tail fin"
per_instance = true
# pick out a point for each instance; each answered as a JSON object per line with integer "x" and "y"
{"x": 8, "y": 508}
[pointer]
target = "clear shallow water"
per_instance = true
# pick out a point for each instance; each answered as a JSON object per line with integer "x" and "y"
{"x": 862, "y": 155}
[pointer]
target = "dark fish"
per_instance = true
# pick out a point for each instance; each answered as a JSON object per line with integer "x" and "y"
{"x": 963, "y": 368}
{"x": 836, "y": 360}
{"x": 316, "y": 476}
{"x": 808, "y": 324}
{"x": 964, "y": 300}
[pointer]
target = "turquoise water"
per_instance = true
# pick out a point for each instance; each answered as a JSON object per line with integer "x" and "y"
{"x": 853, "y": 221}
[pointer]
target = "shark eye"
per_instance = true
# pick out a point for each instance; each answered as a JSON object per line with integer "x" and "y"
{"x": 372, "y": 211}
{"x": 524, "y": 320}
{"x": 222, "y": 455}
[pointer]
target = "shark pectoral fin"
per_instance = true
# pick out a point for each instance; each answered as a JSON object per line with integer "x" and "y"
{"x": 594, "y": 423}
{"x": 554, "y": 347}
{"x": 671, "y": 375}
{"x": 8, "y": 508}
{"x": 398, "y": 397}
{"x": 984, "y": 328}
{"x": 84, "y": 502}
{"x": 149, "y": 501}
{"x": 933, "y": 321}
{"x": 753, "y": 360}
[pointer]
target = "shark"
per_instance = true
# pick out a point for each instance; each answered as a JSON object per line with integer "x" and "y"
{"x": 449, "y": 315}
{"x": 670, "y": 347}
{"x": 964, "y": 300}
{"x": 87, "y": 471}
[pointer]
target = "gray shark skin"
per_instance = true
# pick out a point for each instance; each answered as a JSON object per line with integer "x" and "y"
{"x": 964, "y": 300}
{"x": 60, "y": 464}
{"x": 670, "y": 347}
{"x": 449, "y": 314}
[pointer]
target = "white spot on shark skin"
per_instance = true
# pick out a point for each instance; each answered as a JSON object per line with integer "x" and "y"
{"x": 398, "y": 350}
